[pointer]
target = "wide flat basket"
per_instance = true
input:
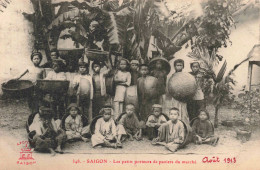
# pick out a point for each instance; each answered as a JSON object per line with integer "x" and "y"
{"x": 53, "y": 86}
{"x": 17, "y": 88}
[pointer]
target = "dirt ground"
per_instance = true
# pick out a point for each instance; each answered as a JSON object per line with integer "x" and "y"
{"x": 14, "y": 113}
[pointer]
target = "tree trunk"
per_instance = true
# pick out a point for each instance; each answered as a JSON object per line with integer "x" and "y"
{"x": 217, "y": 107}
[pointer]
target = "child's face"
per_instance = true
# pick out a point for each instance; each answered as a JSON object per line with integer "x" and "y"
{"x": 178, "y": 67}
{"x": 134, "y": 66}
{"x": 56, "y": 67}
{"x": 73, "y": 111}
{"x": 36, "y": 60}
{"x": 195, "y": 67}
{"x": 54, "y": 56}
{"x": 123, "y": 65}
{"x": 203, "y": 115}
{"x": 158, "y": 65}
{"x": 157, "y": 112}
{"x": 82, "y": 69}
{"x": 173, "y": 115}
{"x": 130, "y": 109}
{"x": 144, "y": 70}
{"x": 107, "y": 114}
{"x": 96, "y": 68}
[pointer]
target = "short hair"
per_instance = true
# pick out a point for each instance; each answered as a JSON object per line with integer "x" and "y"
{"x": 191, "y": 64}
{"x": 56, "y": 51}
{"x": 83, "y": 64}
{"x": 178, "y": 61}
{"x": 176, "y": 109}
{"x": 130, "y": 104}
{"x": 36, "y": 53}
{"x": 144, "y": 65}
{"x": 95, "y": 62}
{"x": 102, "y": 111}
{"x": 204, "y": 110}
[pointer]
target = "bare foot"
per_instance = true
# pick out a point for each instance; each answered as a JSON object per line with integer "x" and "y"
{"x": 131, "y": 138}
{"x": 53, "y": 153}
{"x": 58, "y": 149}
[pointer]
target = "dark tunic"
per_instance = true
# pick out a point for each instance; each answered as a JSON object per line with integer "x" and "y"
{"x": 203, "y": 128}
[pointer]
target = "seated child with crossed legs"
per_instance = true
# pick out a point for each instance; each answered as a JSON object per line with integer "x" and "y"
{"x": 203, "y": 130}
{"x": 171, "y": 134}
{"x": 46, "y": 134}
{"x": 105, "y": 131}
{"x": 154, "y": 121}
{"x": 74, "y": 124}
{"x": 129, "y": 124}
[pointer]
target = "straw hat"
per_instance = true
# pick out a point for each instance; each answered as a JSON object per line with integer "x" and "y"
{"x": 165, "y": 64}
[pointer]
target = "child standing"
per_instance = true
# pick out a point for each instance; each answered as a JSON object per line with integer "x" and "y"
{"x": 160, "y": 68}
{"x": 172, "y": 133}
{"x": 58, "y": 99}
{"x": 203, "y": 130}
{"x": 154, "y": 121}
{"x": 145, "y": 101}
{"x": 83, "y": 84}
{"x": 182, "y": 106}
{"x": 34, "y": 73}
{"x": 100, "y": 95}
{"x": 122, "y": 80}
{"x": 74, "y": 124}
{"x": 46, "y": 135}
{"x": 197, "y": 103}
{"x": 105, "y": 131}
{"x": 129, "y": 124}
{"x": 134, "y": 66}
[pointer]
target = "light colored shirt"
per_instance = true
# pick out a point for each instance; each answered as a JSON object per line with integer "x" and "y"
{"x": 124, "y": 77}
{"x": 105, "y": 128}
{"x": 34, "y": 74}
{"x": 152, "y": 120}
{"x": 52, "y": 75}
{"x": 37, "y": 125}
{"x": 76, "y": 82}
{"x": 73, "y": 124}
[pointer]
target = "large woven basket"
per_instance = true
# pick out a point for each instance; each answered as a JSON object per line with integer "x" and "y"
{"x": 131, "y": 96}
{"x": 182, "y": 86}
{"x": 150, "y": 87}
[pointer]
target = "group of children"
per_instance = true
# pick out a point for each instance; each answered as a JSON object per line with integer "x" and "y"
{"x": 50, "y": 135}
{"x": 122, "y": 120}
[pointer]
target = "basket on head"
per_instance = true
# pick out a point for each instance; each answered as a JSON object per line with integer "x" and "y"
{"x": 182, "y": 86}
{"x": 165, "y": 64}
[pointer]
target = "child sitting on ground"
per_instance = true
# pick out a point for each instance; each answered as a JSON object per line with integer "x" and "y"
{"x": 46, "y": 134}
{"x": 203, "y": 130}
{"x": 171, "y": 134}
{"x": 105, "y": 131}
{"x": 83, "y": 84}
{"x": 155, "y": 120}
{"x": 74, "y": 124}
{"x": 129, "y": 124}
